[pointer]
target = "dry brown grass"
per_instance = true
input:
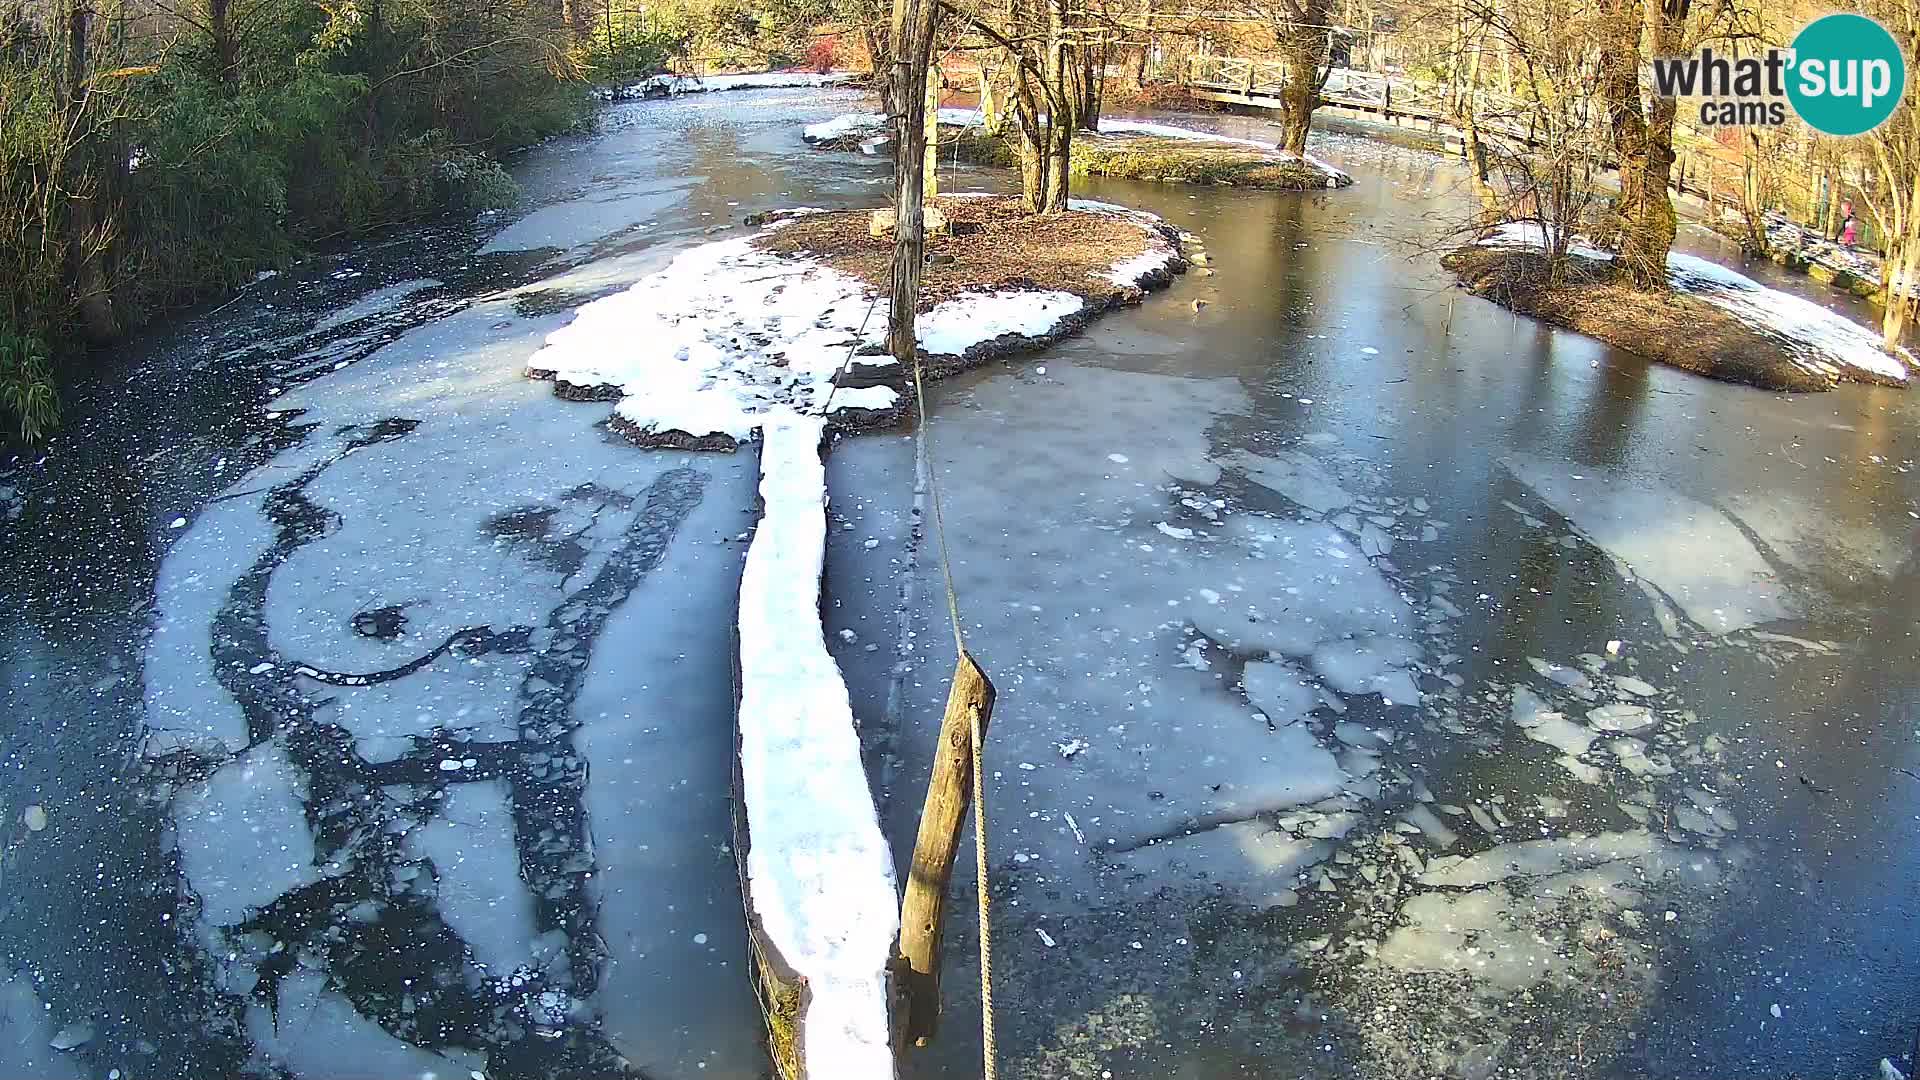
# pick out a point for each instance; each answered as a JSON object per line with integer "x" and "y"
{"x": 994, "y": 245}
{"x": 1672, "y": 328}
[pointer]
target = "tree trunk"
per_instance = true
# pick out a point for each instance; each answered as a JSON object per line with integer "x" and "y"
{"x": 913, "y": 27}
{"x": 990, "y": 118}
{"x": 1905, "y": 248}
{"x": 226, "y": 49}
{"x": 1033, "y": 149}
{"x": 880, "y": 53}
{"x": 1753, "y": 196}
{"x": 1304, "y": 46}
{"x": 1062, "y": 107}
{"x": 1087, "y": 116}
{"x": 1296, "y": 117}
{"x": 376, "y": 69}
{"x": 1643, "y": 225}
{"x": 1059, "y": 168}
{"x": 89, "y": 229}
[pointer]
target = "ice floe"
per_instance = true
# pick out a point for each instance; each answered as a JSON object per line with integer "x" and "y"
{"x": 1689, "y": 553}
{"x": 243, "y": 836}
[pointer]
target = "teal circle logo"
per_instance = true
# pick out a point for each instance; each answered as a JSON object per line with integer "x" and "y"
{"x": 1847, "y": 75}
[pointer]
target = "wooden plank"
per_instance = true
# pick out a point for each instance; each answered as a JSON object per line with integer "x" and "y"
{"x": 949, "y": 792}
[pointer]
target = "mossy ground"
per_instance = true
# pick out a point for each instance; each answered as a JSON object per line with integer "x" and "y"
{"x": 1153, "y": 158}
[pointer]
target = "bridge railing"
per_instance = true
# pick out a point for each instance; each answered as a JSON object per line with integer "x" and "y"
{"x": 1391, "y": 96}
{"x": 1239, "y": 74}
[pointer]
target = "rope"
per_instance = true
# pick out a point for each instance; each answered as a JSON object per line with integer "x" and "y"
{"x": 980, "y": 879}
{"x": 939, "y": 518}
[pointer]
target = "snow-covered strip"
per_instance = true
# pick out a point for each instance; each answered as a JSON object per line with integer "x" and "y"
{"x": 1111, "y": 126}
{"x": 819, "y": 876}
{"x": 1531, "y": 234}
{"x": 1133, "y": 270}
{"x": 844, "y": 124}
{"x": 668, "y": 84}
{"x": 875, "y": 123}
{"x": 721, "y": 336}
{"x": 1818, "y": 339}
{"x": 1160, "y": 256}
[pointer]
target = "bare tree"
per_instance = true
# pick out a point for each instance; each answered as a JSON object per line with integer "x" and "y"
{"x": 1538, "y": 155}
{"x": 1037, "y": 39}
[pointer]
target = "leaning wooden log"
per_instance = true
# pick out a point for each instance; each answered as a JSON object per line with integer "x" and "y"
{"x": 815, "y": 872}
{"x": 949, "y": 794}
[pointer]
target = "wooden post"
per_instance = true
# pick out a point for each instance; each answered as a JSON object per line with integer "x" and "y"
{"x": 949, "y": 791}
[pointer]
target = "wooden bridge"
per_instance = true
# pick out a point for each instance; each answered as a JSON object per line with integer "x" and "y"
{"x": 1368, "y": 94}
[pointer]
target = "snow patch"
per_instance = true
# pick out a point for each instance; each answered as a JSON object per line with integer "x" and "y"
{"x": 956, "y": 325}
{"x": 1531, "y": 234}
{"x": 727, "y": 333}
{"x": 721, "y": 336}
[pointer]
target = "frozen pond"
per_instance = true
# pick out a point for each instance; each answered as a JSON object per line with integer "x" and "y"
{"x": 1388, "y": 686}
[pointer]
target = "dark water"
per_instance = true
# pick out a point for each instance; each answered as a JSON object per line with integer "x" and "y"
{"x": 355, "y": 440}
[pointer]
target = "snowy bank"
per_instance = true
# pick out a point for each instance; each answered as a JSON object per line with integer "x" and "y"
{"x": 791, "y": 318}
{"x": 818, "y": 878}
{"x": 1137, "y": 148}
{"x": 1714, "y": 321}
{"x": 670, "y": 85}
{"x": 1821, "y": 339}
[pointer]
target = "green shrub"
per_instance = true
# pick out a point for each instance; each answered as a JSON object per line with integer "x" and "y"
{"x": 210, "y": 194}
{"x": 427, "y": 174}
{"x": 28, "y": 402}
